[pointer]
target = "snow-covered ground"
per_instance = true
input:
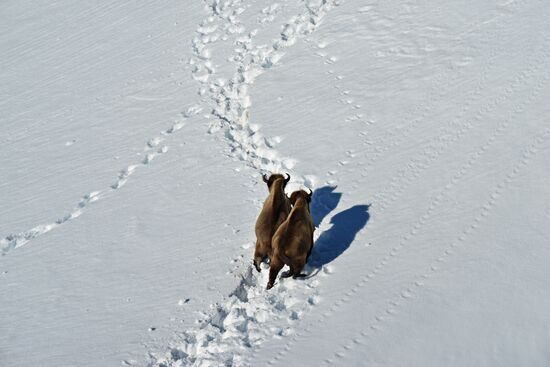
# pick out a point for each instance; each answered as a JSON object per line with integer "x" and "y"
{"x": 133, "y": 139}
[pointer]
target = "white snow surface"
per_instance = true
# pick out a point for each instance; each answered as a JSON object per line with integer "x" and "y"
{"x": 133, "y": 137}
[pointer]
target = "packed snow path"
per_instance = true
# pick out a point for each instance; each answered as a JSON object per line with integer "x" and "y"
{"x": 133, "y": 146}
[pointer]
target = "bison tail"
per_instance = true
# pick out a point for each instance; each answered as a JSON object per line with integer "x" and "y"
{"x": 284, "y": 258}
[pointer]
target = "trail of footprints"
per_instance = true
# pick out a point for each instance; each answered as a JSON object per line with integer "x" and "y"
{"x": 354, "y": 116}
{"x": 397, "y": 135}
{"x": 152, "y": 149}
{"x": 494, "y": 194}
{"x": 499, "y": 131}
{"x": 226, "y": 333}
{"x": 433, "y": 96}
{"x": 231, "y": 98}
{"x": 534, "y": 66}
{"x": 451, "y": 134}
{"x": 409, "y": 291}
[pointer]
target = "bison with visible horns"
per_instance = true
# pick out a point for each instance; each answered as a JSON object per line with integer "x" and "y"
{"x": 293, "y": 240}
{"x": 274, "y": 212}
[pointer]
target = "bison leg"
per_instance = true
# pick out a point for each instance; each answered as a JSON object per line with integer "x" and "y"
{"x": 259, "y": 255}
{"x": 274, "y": 267}
{"x": 257, "y": 260}
{"x": 309, "y": 253}
{"x": 297, "y": 267}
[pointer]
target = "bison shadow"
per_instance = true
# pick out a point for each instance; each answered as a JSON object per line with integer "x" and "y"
{"x": 323, "y": 201}
{"x": 334, "y": 241}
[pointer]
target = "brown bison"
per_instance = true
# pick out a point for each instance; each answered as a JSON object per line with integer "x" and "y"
{"x": 293, "y": 240}
{"x": 274, "y": 212}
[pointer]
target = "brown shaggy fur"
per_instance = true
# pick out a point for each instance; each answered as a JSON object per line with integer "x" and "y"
{"x": 293, "y": 240}
{"x": 274, "y": 212}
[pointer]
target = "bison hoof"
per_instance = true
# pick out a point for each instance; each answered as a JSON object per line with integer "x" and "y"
{"x": 286, "y": 274}
{"x": 269, "y": 286}
{"x": 257, "y": 266}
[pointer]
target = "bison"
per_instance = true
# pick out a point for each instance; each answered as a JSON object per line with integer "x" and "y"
{"x": 274, "y": 212}
{"x": 293, "y": 241}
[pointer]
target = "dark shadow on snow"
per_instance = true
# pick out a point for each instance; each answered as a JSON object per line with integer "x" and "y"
{"x": 323, "y": 201}
{"x": 334, "y": 241}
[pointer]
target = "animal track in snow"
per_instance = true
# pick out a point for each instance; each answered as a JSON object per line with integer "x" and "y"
{"x": 535, "y": 65}
{"x": 152, "y": 149}
{"x": 269, "y": 13}
{"x": 235, "y": 326}
{"x": 392, "y": 139}
{"x": 452, "y": 133}
{"x": 14, "y": 241}
{"x": 409, "y": 291}
{"x": 231, "y": 97}
{"x": 232, "y": 328}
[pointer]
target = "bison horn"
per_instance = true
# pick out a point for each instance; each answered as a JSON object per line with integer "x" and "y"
{"x": 265, "y": 178}
{"x": 310, "y": 192}
{"x": 288, "y": 178}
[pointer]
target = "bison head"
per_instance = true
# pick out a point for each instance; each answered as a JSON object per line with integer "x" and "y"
{"x": 300, "y": 194}
{"x": 274, "y": 177}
